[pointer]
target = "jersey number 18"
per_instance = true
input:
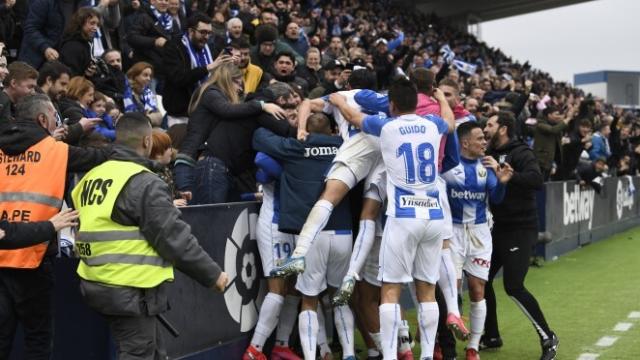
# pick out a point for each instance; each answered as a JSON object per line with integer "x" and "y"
{"x": 426, "y": 162}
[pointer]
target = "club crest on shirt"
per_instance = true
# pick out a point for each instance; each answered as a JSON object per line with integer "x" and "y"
{"x": 482, "y": 173}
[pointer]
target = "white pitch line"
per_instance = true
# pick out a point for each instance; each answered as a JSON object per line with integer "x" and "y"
{"x": 607, "y": 341}
{"x": 622, "y": 326}
{"x": 634, "y": 315}
{"x": 588, "y": 356}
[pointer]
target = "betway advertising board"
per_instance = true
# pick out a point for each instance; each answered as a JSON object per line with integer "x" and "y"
{"x": 575, "y": 212}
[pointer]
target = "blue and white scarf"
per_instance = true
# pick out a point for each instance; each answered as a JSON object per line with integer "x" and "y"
{"x": 147, "y": 100}
{"x": 163, "y": 19}
{"x": 98, "y": 48}
{"x": 199, "y": 58}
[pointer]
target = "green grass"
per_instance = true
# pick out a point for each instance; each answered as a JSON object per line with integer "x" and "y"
{"x": 583, "y": 295}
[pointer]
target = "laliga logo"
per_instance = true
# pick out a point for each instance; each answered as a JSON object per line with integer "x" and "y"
{"x": 624, "y": 196}
{"x": 240, "y": 263}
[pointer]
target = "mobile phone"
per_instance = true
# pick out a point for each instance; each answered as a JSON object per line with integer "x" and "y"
{"x": 501, "y": 160}
{"x": 228, "y": 50}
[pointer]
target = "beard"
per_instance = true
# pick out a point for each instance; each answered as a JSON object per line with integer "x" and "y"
{"x": 493, "y": 142}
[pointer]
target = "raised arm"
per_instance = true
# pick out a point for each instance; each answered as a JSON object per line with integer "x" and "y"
{"x": 350, "y": 114}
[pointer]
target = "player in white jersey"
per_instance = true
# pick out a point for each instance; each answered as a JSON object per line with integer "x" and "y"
{"x": 354, "y": 160}
{"x": 470, "y": 185}
{"x": 411, "y": 243}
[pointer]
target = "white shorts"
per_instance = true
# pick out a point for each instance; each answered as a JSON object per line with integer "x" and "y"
{"x": 274, "y": 246}
{"x": 355, "y": 159}
{"x": 410, "y": 250}
{"x": 375, "y": 184}
{"x": 327, "y": 262}
{"x": 471, "y": 249}
{"x": 371, "y": 266}
{"x": 447, "y": 231}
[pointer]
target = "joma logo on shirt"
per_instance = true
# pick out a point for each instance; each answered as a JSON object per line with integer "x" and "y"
{"x": 320, "y": 151}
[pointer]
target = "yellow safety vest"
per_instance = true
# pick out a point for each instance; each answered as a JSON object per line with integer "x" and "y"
{"x": 111, "y": 253}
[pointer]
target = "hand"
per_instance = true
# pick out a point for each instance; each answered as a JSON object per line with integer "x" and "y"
{"x": 179, "y": 202}
{"x": 504, "y": 173}
{"x": 302, "y": 134}
{"x": 60, "y": 133}
{"x": 9, "y": 3}
{"x": 186, "y": 195}
{"x": 275, "y": 110}
{"x": 337, "y": 99}
{"x": 1, "y": 234}
{"x": 221, "y": 283}
{"x": 222, "y": 59}
{"x": 528, "y": 84}
{"x": 490, "y": 163}
{"x": 160, "y": 42}
{"x": 439, "y": 95}
{"x": 51, "y": 54}
{"x": 89, "y": 123}
{"x": 91, "y": 70}
{"x": 64, "y": 218}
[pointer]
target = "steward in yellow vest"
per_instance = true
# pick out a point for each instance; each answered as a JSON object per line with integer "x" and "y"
{"x": 130, "y": 239}
{"x": 33, "y": 171}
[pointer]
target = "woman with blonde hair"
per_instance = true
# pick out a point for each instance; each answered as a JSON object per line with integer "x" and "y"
{"x": 138, "y": 96}
{"x": 219, "y": 118}
{"x": 75, "y": 109}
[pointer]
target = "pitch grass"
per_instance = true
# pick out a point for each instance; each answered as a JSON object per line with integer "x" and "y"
{"x": 583, "y": 295}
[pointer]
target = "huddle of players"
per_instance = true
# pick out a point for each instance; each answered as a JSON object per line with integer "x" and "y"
{"x": 435, "y": 226}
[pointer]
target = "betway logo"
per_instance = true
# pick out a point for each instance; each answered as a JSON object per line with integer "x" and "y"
{"x": 578, "y": 205}
{"x": 468, "y": 195}
{"x": 320, "y": 151}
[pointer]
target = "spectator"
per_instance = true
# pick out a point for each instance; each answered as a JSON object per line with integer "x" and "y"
{"x": 111, "y": 81}
{"x": 268, "y": 45}
{"x": 296, "y": 39}
{"x": 225, "y": 168}
{"x": 150, "y": 32}
{"x": 178, "y": 16}
{"x": 334, "y": 51}
{"x": 4, "y": 71}
{"x": 311, "y": 70}
{"x": 98, "y": 109}
{"x": 284, "y": 70}
{"x": 20, "y": 82}
{"x": 548, "y": 138}
{"x": 43, "y": 29}
{"x": 233, "y": 33}
{"x": 600, "y": 143}
{"x": 53, "y": 80}
{"x": 109, "y": 11}
{"x": 138, "y": 96}
{"x": 75, "y": 109}
{"x": 383, "y": 63}
{"x": 590, "y": 173}
{"x": 191, "y": 62}
{"x": 164, "y": 154}
{"x": 335, "y": 78}
{"x": 77, "y": 44}
{"x": 252, "y": 74}
{"x": 572, "y": 148}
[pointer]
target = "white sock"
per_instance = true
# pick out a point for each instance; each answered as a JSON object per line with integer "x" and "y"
{"x": 477, "y": 314}
{"x": 287, "y": 319}
{"x": 428, "y": 314}
{"x": 389, "y": 322}
{"x": 322, "y": 333}
{"x": 376, "y": 339}
{"x": 316, "y": 221}
{"x": 343, "y": 317}
{"x": 373, "y": 353}
{"x": 267, "y": 319}
{"x": 362, "y": 246}
{"x": 448, "y": 282}
{"x": 308, "y": 328}
{"x": 403, "y": 337}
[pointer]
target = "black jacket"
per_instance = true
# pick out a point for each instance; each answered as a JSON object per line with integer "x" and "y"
{"x": 20, "y": 235}
{"x": 71, "y": 113}
{"x": 228, "y": 130}
{"x": 142, "y": 36}
{"x": 75, "y": 52}
{"x": 519, "y": 208}
{"x": 20, "y": 135}
{"x": 183, "y": 80}
{"x": 146, "y": 202}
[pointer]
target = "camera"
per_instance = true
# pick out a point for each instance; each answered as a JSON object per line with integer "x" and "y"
{"x": 102, "y": 69}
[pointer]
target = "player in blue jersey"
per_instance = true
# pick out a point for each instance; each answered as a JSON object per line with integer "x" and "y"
{"x": 470, "y": 185}
{"x": 411, "y": 242}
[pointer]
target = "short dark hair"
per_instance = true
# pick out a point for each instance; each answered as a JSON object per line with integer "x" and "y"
{"x": 52, "y": 70}
{"x": 197, "y": 17}
{"x": 240, "y": 44}
{"x": 465, "y": 128}
{"x": 506, "y": 118}
{"x": 131, "y": 128}
{"x": 403, "y": 94}
{"x": 287, "y": 54}
{"x": 449, "y": 82}
{"x": 424, "y": 80}
{"x": 19, "y": 71}
{"x": 319, "y": 123}
{"x": 363, "y": 79}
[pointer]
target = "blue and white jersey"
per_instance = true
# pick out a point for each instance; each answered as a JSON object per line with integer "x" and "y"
{"x": 269, "y": 210}
{"x": 469, "y": 187}
{"x": 366, "y": 101}
{"x": 409, "y": 145}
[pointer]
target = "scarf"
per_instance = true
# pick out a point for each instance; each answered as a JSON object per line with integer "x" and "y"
{"x": 199, "y": 58}
{"x": 163, "y": 19}
{"x": 147, "y": 99}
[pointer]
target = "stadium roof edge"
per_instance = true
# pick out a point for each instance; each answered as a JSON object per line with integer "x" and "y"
{"x": 598, "y": 76}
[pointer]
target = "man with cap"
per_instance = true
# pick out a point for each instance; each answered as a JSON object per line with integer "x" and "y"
{"x": 336, "y": 75}
{"x": 268, "y": 45}
{"x": 383, "y": 63}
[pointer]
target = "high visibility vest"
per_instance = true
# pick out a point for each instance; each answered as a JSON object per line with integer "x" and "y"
{"x": 31, "y": 189}
{"x": 111, "y": 253}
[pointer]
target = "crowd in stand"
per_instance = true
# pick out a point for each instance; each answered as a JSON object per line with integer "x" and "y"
{"x": 98, "y": 59}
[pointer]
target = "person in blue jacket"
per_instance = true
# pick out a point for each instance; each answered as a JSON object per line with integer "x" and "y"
{"x": 304, "y": 167}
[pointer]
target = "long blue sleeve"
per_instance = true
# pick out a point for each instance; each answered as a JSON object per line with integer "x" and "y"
{"x": 278, "y": 147}
{"x": 597, "y": 149}
{"x": 393, "y": 44}
{"x": 496, "y": 188}
{"x": 451, "y": 153}
{"x": 268, "y": 165}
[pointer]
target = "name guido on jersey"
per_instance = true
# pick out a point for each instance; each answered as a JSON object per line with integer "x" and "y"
{"x": 412, "y": 129}
{"x": 467, "y": 195}
{"x": 320, "y": 151}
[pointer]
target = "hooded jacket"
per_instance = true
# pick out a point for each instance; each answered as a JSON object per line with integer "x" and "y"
{"x": 146, "y": 202}
{"x": 519, "y": 208}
